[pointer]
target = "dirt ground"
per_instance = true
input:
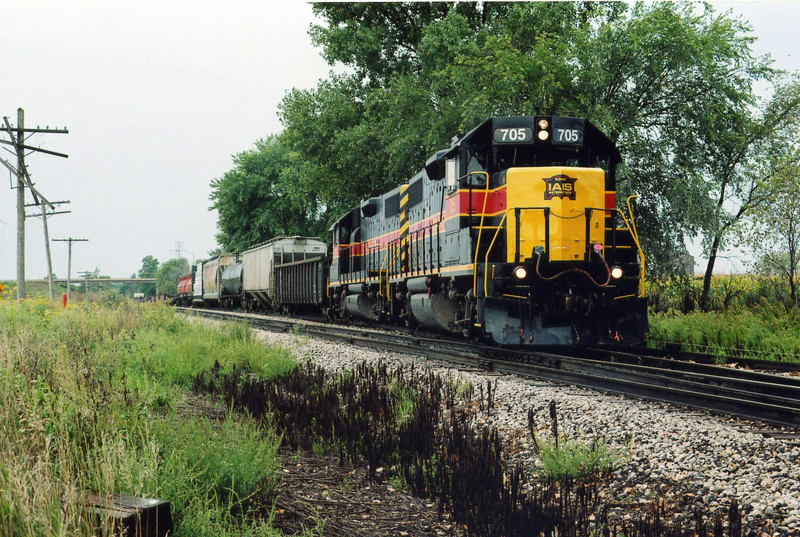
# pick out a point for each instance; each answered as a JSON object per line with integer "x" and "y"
{"x": 318, "y": 494}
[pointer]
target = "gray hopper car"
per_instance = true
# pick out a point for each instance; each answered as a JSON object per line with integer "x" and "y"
{"x": 302, "y": 285}
{"x": 258, "y": 276}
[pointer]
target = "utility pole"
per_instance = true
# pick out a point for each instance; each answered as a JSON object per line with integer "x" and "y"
{"x": 45, "y": 214}
{"x": 20, "y": 206}
{"x": 86, "y": 274}
{"x": 69, "y": 261}
{"x": 23, "y": 179}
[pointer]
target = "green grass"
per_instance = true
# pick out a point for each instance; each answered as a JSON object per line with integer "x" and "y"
{"x": 88, "y": 399}
{"x": 765, "y": 333}
{"x": 403, "y": 400}
{"x": 575, "y": 460}
{"x": 748, "y": 316}
{"x": 205, "y": 465}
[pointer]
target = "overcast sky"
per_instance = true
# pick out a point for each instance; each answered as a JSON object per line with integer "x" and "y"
{"x": 157, "y": 97}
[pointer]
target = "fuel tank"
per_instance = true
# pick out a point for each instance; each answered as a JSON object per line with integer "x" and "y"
{"x": 436, "y": 311}
{"x": 360, "y": 306}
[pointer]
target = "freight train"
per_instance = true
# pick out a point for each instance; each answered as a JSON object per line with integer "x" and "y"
{"x": 514, "y": 234}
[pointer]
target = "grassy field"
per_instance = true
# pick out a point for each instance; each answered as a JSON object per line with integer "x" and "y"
{"x": 749, "y": 316}
{"x": 33, "y": 290}
{"x": 91, "y": 399}
{"x": 756, "y": 334}
{"x": 104, "y": 399}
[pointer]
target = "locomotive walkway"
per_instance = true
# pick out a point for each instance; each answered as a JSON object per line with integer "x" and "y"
{"x": 761, "y": 397}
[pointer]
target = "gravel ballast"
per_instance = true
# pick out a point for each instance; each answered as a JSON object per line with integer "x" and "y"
{"x": 682, "y": 458}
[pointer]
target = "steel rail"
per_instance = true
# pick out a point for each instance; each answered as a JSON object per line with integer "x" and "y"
{"x": 683, "y": 355}
{"x": 753, "y": 381}
{"x": 605, "y": 354}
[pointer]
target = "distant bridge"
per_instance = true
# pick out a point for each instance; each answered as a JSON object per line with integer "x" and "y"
{"x": 78, "y": 281}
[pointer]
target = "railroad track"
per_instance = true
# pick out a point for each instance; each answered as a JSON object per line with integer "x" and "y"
{"x": 674, "y": 352}
{"x": 761, "y": 397}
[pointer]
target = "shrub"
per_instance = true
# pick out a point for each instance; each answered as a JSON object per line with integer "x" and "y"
{"x": 573, "y": 460}
{"x": 760, "y": 333}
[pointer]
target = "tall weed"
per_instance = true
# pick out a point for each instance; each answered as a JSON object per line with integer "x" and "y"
{"x": 748, "y": 315}
{"x": 761, "y": 332}
{"x": 79, "y": 391}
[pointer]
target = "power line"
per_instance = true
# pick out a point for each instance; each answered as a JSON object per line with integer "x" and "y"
{"x": 178, "y": 252}
{"x": 18, "y": 138}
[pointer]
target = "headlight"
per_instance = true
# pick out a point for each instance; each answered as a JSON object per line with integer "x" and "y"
{"x": 521, "y": 273}
{"x": 616, "y": 272}
{"x": 543, "y": 135}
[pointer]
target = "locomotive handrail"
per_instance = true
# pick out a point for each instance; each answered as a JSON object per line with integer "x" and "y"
{"x": 517, "y": 210}
{"x": 486, "y": 262}
{"x": 631, "y": 226}
{"x": 480, "y": 231}
{"x": 630, "y": 212}
{"x": 381, "y": 271}
{"x": 388, "y": 263}
{"x": 635, "y": 234}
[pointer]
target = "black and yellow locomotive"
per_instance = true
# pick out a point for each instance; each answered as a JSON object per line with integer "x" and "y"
{"x": 512, "y": 233}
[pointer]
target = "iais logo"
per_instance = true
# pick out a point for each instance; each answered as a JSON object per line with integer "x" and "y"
{"x": 559, "y": 186}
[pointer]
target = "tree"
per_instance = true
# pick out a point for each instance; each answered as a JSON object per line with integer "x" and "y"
{"x": 749, "y": 169}
{"x": 127, "y": 289}
{"x": 259, "y": 198}
{"x": 359, "y": 135}
{"x": 168, "y": 274}
{"x": 670, "y": 83}
{"x": 377, "y": 39}
{"x": 774, "y": 235}
{"x": 380, "y": 40}
{"x": 149, "y": 270}
{"x": 673, "y": 87}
